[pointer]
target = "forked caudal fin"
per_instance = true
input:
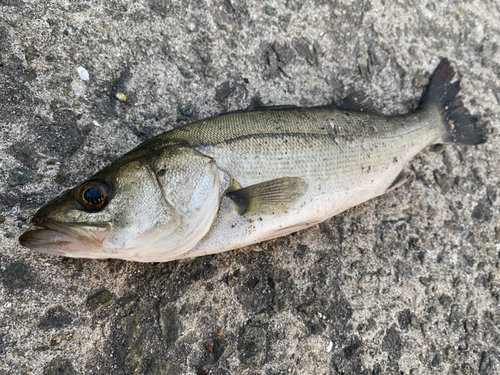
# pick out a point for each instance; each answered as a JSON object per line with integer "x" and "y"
{"x": 461, "y": 127}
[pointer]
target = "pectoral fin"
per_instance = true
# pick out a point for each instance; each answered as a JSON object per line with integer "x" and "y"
{"x": 270, "y": 196}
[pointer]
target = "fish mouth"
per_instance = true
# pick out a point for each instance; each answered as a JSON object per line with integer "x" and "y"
{"x": 73, "y": 239}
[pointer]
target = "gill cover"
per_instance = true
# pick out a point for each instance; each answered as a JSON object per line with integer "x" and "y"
{"x": 189, "y": 184}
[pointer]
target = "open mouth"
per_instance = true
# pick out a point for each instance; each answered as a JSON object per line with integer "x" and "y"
{"x": 70, "y": 239}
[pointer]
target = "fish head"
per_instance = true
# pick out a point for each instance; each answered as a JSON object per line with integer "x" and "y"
{"x": 138, "y": 208}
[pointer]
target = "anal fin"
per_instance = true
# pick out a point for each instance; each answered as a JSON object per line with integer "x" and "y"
{"x": 270, "y": 196}
{"x": 288, "y": 230}
{"x": 400, "y": 180}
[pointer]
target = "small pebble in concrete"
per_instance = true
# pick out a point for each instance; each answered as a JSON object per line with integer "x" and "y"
{"x": 84, "y": 74}
{"x": 121, "y": 96}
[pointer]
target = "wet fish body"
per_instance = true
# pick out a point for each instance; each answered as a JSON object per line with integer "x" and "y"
{"x": 245, "y": 177}
{"x": 344, "y": 158}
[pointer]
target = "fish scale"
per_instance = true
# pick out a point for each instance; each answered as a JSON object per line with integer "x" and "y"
{"x": 285, "y": 143}
{"x": 339, "y": 172}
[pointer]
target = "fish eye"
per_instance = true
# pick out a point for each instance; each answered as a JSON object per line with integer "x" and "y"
{"x": 93, "y": 195}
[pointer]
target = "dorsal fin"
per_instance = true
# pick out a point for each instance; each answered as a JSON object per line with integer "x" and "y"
{"x": 257, "y": 105}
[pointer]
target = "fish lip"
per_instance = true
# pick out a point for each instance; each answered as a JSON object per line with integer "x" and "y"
{"x": 64, "y": 228}
{"x": 67, "y": 239}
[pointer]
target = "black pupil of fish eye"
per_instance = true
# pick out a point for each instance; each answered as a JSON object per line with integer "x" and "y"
{"x": 93, "y": 195}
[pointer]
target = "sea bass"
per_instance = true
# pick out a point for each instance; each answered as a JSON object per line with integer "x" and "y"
{"x": 244, "y": 177}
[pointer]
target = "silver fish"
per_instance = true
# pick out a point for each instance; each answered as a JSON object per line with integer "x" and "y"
{"x": 241, "y": 178}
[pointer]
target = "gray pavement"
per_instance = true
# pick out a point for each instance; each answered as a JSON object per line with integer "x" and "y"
{"x": 408, "y": 283}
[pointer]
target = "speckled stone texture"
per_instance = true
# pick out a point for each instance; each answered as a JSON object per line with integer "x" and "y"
{"x": 408, "y": 283}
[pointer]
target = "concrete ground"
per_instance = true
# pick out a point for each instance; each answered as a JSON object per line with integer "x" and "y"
{"x": 408, "y": 283}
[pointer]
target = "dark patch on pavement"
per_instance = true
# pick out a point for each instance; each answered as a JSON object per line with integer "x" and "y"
{"x": 59, "y": 366}
{"x": 99, "y": 299}
{"x": 62, "y": 137}
{"x": 56, "y": 317}
{"x": 392, "y": 343}
{"x": 252, "y": 345}
{"x": 17, "y": 276}
{"x": 169, "y": 323}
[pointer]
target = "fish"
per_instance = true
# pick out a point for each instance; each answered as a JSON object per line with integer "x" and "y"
{"x": 244, "y": 177}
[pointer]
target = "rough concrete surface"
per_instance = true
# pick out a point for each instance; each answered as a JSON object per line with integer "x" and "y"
{"x": 408, "y": 283}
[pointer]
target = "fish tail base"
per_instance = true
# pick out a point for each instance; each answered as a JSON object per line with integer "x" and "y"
{"x": 461, "y": 127}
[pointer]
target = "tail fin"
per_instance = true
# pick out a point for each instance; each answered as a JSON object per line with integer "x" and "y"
{"x": 461, "y": 127}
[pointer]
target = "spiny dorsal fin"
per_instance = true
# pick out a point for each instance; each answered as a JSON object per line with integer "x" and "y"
{"x": 269, "y": 197}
